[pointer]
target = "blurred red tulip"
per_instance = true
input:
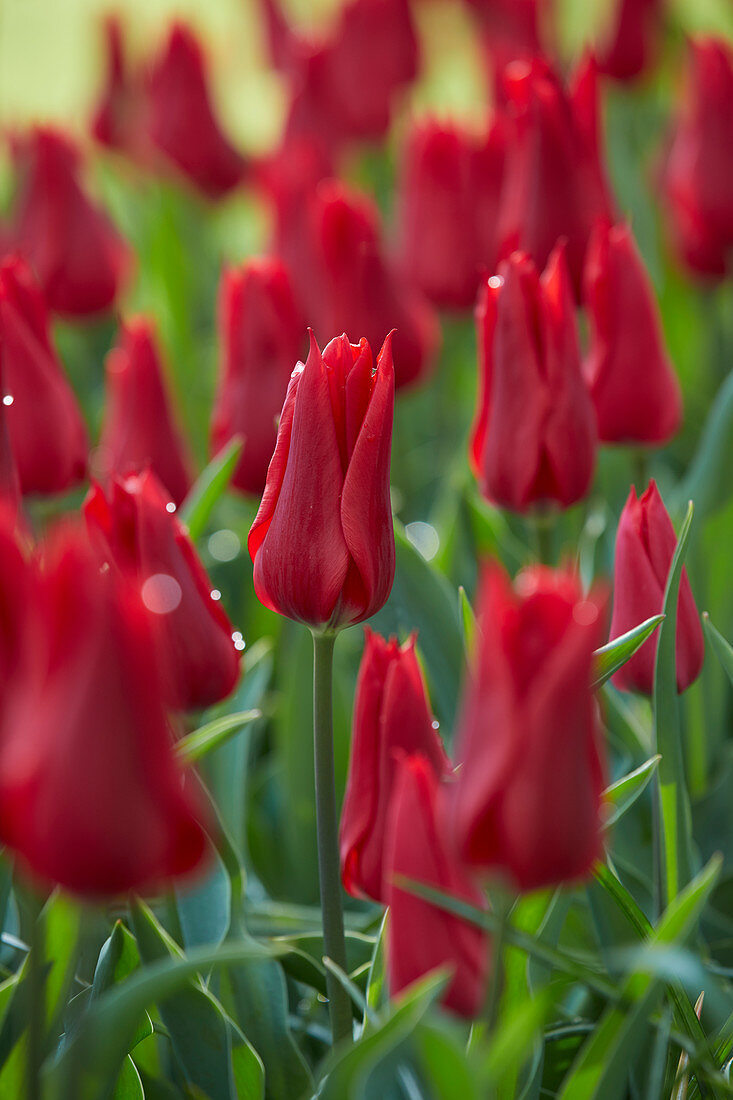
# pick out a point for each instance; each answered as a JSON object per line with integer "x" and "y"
{"x": 632, "y": 40}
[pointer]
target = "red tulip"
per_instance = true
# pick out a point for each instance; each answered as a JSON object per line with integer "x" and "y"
{"x": 78, "y": 256}
{"x": 448, "y": 195}
{"x": 632, "y": 38}
{"x": 528, "y": 794}
{"x": 420, "y": 936}
{"x": 322, "y": 542}
{"x": 645, "y": 545}
{"x": 90, "y": 793}
{"x": 261, "y": 335}
{"x": 117, "y": 116}
{"x": 699, "y": 162}
{"x": 534, "y": 436}
{"x": 141, "y": 535}
{"x": 182, "y": 124}
{"x": 392, "y": 718}
{"x": 47, "y": 433}
{"x": 15, "y": 593}
{"x": 139, "y": 430}
{"x": 554, "y": 184}
{"x": 634, "y": 388}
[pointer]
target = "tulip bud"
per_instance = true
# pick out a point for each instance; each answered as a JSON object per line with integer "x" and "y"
{"x": 139, "y": 430}
{"x": 47, "y": 433}
{"x": 78, "y": 256}
{"x": 140, "y": 533}
{"x": 699, "y": 162}
{"x": 632, "y": 382}
{"x": 14, "y": 597}
{"x": 392, "y": 718}
{"x": 632, "y": 37}
{"x": 322, "y": 541}
{"x": 261, "y": 335}
{"x": 90, "y": 793}
{"x": 114, "y": 116}
{"x": 420, "y": 936}
{"x": 527, "y": 799}
{"x": 554, "y": 184}
{"x": 645, "y": 545}
{"x": 534, "y": 437}
{"x": 182, "y": 124}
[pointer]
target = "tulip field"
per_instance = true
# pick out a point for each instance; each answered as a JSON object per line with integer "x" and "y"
{"x": 366, "y": 527}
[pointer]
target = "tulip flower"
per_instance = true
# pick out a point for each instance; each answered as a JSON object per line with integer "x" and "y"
{"x": 78, "y": 256}
{"x": 554, "y": 182}
{"x": 143, "y": 537}
{"x": 322, "y": 542}
{"x": 645, "y": 545}
{"x": 699, "y": 163}
{"x": 181, "y": 120}
{"x": 90, "y": 793}
{"x": 534, "y": 437}
{"x": 47, "y": 432}
{"x": 9, "y": 485}
{"x": 14, "y": 595}
{"x": 527, "y": 800}
{"x": 116, "y": 116}
{"x": 139, "y": 429}
{"x": 345, "y": 282}
{"x": 631, "y": 39}
{"x": 392, "y": 718}
{"x": 632, "y": 382}
{"x": 450, "y": 182}
{"x": 420, "y": 936}
{"x": 261, "y": 334}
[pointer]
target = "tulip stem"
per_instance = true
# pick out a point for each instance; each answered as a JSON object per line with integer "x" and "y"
{"x": 501, "y": 904}
{"x": 334, "y": 945}
{"x": 640, "y": 464}
{"x": 544, "y": 529}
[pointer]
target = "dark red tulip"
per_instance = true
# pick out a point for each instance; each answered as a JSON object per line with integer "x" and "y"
{"x": 90, "y": 793}
{"x": 78, "y": 256}
{"x": 554, "y": 182}
{"x": 47, "y": 432}
{"x": 143, "y": 537}
{"x": 15, "y": 590}
{"x": 392, "y": 718}
{"x": 181, "y": 119}
{"x": 322, "y": 542}
{"x": 632, "y": 382}
{"x": 139, "y": 429}
{"x": 645, "y": 545}
{"x": 699, "y": 162}
{"x": 534, "y": 437}
{"x": 420, "y": 936}
{"x": 261, "y": 336}
{"x": 632, "y": 38}
{"x": 116, "y": 121}
{"x": 527, "y": 799}
{"x": 344, "y": 281}
{"x": 448, "y": 202}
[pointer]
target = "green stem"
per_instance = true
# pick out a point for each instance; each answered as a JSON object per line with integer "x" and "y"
{"x": 334, "y": 944}
{"x": 640, "y": 468}
{"x": 36, "y": 990}
{"x": 501, "y": 907}
{"x": 543, "y": 522}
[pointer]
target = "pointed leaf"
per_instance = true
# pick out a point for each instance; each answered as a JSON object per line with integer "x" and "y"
{"x": 624, "y": 792}
{"x": 610, "y": 657}
{"x": 194, "y": 745}
{"x": 209, "y": 486}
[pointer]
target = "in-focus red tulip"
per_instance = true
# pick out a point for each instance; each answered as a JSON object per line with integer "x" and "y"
{"x": 534, "y": 437}
{"x": 47, "y": 432}
{"x": 554, "y": 181}
{"x": 181, "y": 119}
{"x": 90, "y": 793}
{"x": 422, "y": 937}
{"x": 77, "y": 254}
{"x": 141, "y": 536}
{"x": 345, "y": 282}
{"x": 699, "y": 162}
{"x": 645, "y": 545}
{"x": 632, "y": 38}
{"x": 392, "y": 718}
{"x": 632, "y": 382}
{"x": 139, "y": 429}
{"x": 448, "y": 202}
{"x": 322, "y": 541}
{"x": 261, "y": 335}
{"x": 527, "y": 799}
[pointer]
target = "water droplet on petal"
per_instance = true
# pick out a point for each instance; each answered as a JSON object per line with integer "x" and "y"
{"x": 495, "y": 281}
{"x": 8, "y": 399}
{"x": 170, "y": 506}
{"x": 215, "y": 594}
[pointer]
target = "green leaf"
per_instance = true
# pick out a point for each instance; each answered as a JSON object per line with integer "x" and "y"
{"x": 61, "y": 918}
{"x": 128, "y": 1085}
{"x": 624, "y": 792}
{"x": 376, "y": 991}
{"x": 722, "y": 649}
{"x": 118, "y": 959}
{"x": 194, "y": 745}
{"x": 610, "y": 657}
{"x": 512, "y": 1043}
{"x": 707, "y": 479}
{"x": 600, "y": 1071}
{"x": 209, "y": 486}
{"x": 468, "y": 621}
{"x": 443, "y": 1065}
{"x": 674, "y": 805}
